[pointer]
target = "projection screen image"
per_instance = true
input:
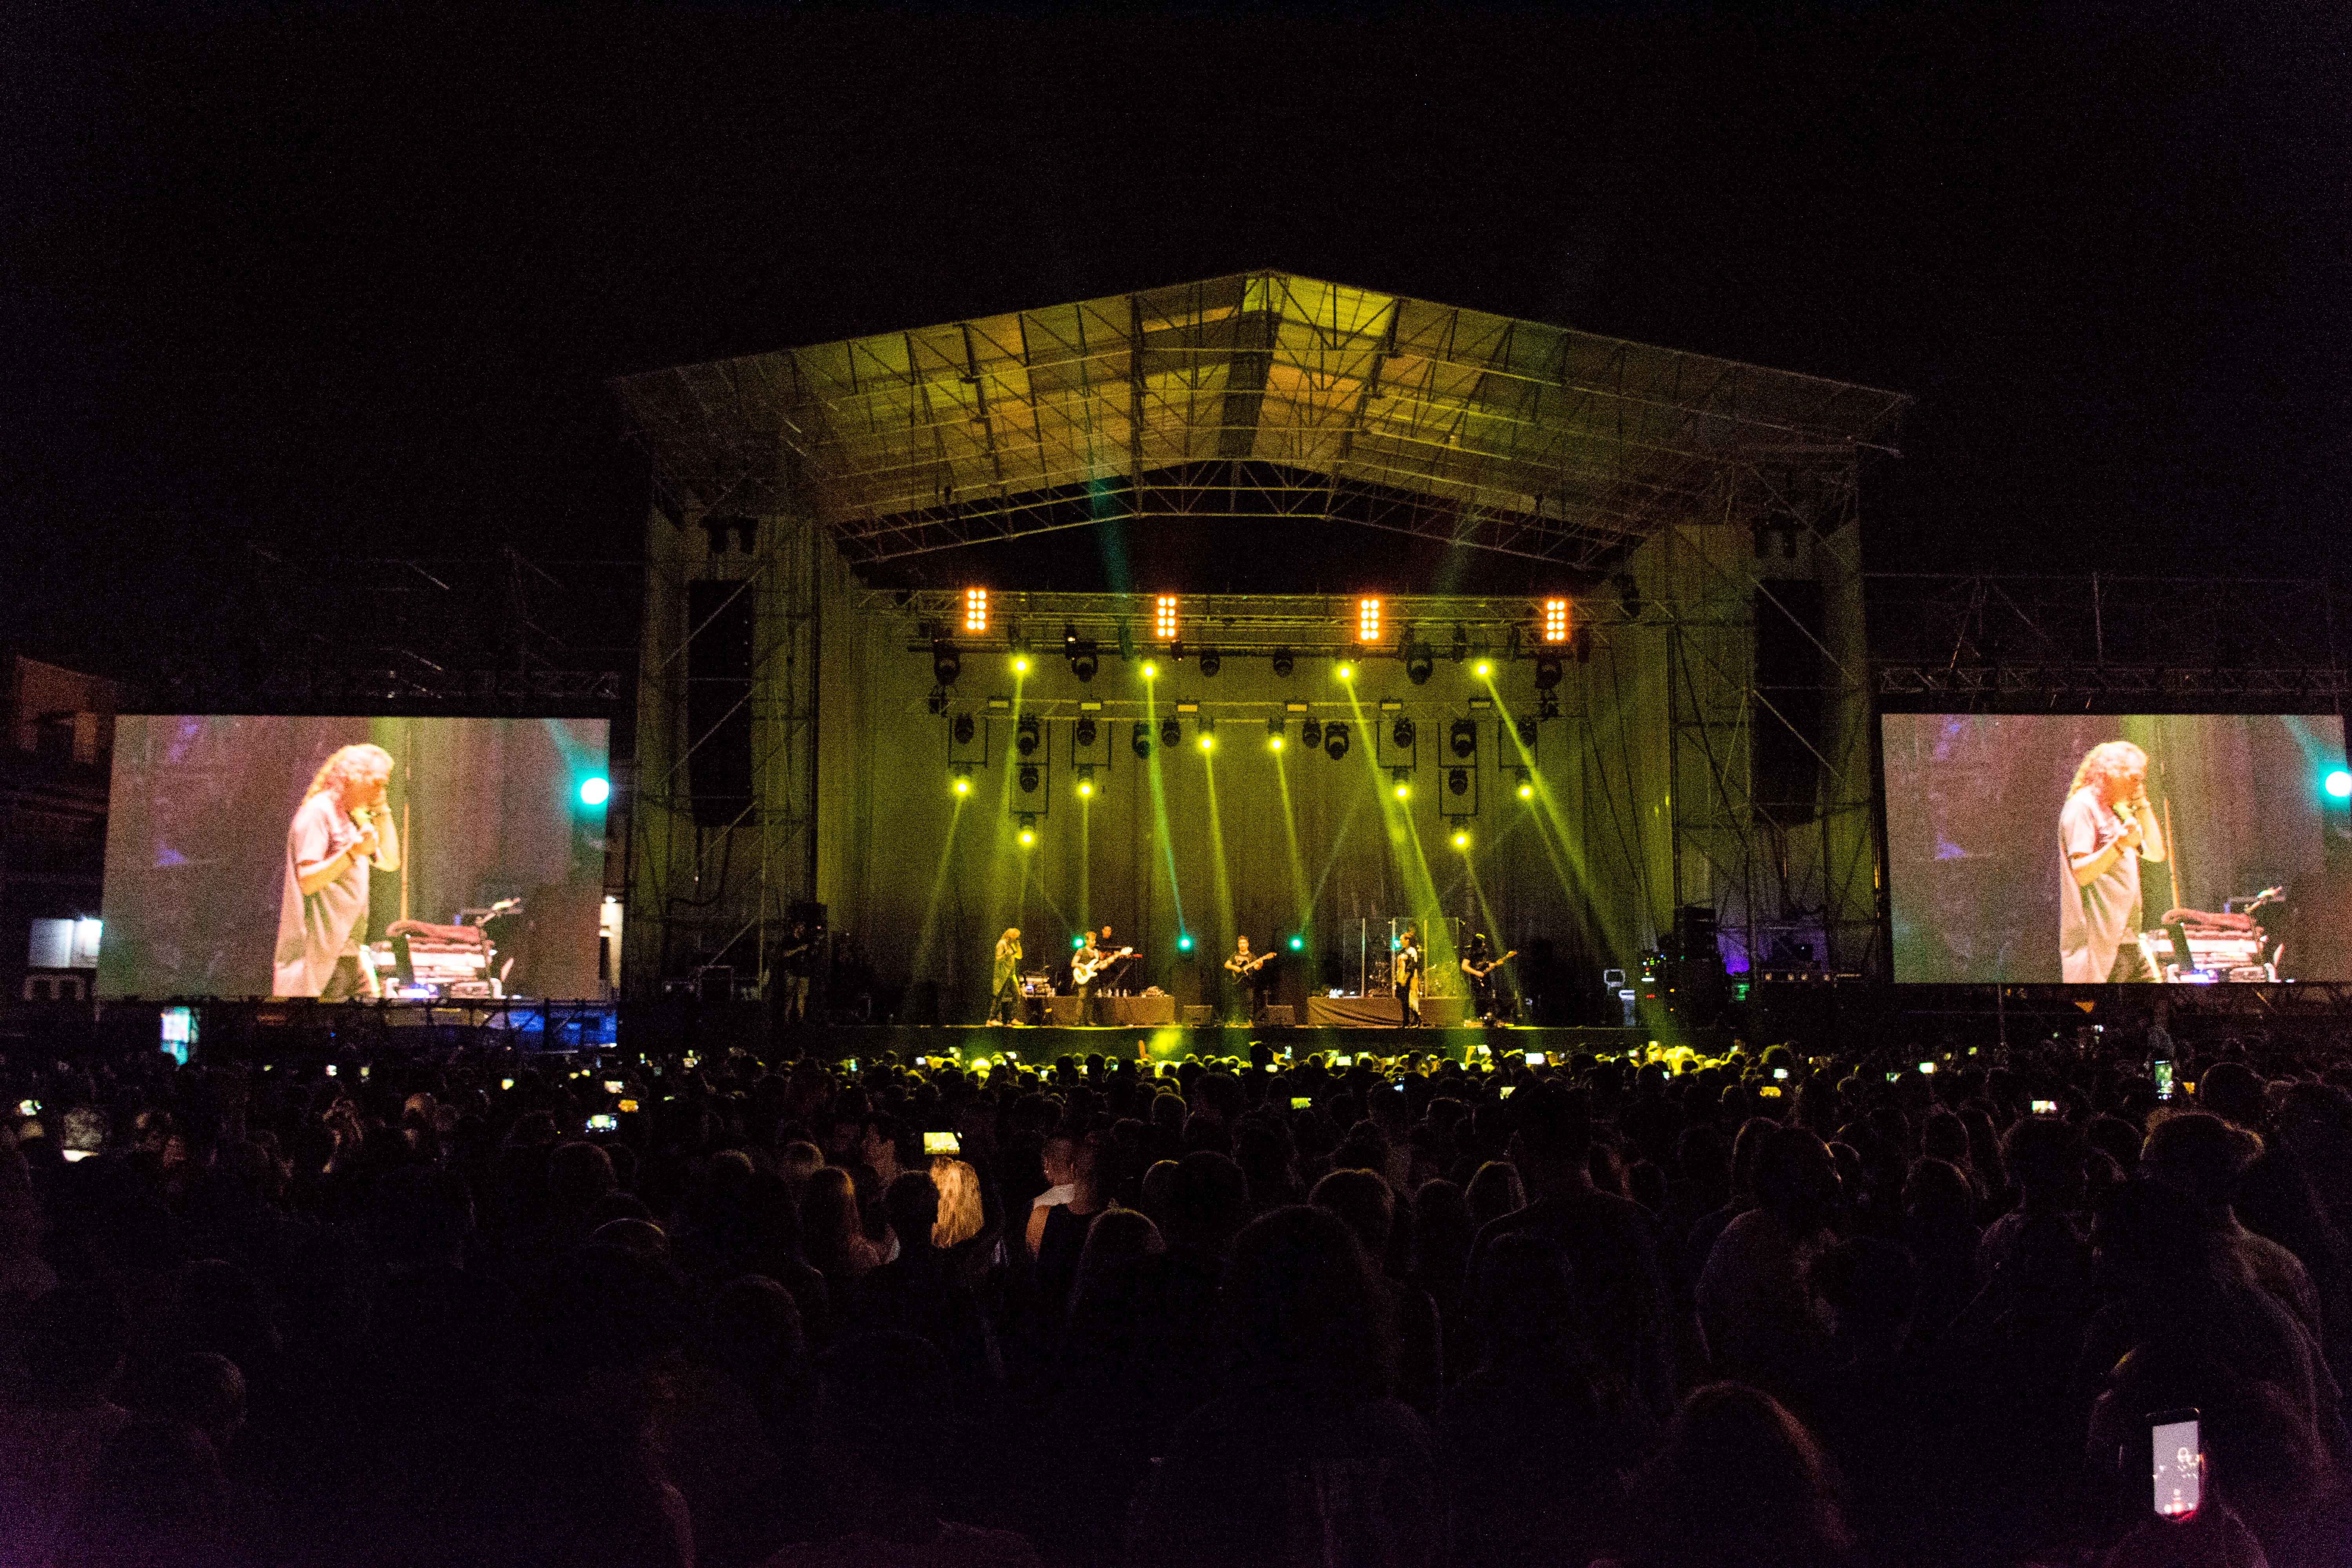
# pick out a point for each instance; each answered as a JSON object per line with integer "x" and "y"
{"x": 2082, "y": 848}
{"x": 353, "y": 859}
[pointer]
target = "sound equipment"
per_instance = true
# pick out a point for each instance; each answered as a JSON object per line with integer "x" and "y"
{"x": 1200, "y": 1017}
{"x": 1278, "y": 1017}
{"x": 720, "y": 624}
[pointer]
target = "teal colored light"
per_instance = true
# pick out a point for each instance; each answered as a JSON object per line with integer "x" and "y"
{"x": 1077, "y": 942}
{"x": 1184, "y": 943}
{"x": 1298, "y": 942}
{"x": 595, "y": 791}
{"x": 2339, "y": 783}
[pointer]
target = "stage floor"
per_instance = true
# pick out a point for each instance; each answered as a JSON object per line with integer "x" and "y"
{"x": 1173, "y": 1042}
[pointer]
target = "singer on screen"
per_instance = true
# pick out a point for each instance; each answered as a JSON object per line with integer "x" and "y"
{"x": 2107, "y": 829}
{"x": 342, "y": 828}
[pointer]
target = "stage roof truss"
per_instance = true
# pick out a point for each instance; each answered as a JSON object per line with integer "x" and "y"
{"x": 1262, "y": 393}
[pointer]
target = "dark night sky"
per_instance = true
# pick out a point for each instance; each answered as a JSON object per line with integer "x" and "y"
{"x": 350, "y": 278}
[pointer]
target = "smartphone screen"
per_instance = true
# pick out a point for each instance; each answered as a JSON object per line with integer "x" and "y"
{"x": 603, "y": 1124}
{"x": 1505, "y": 1092}
{"x": 1781, "y": 1075}
{"x": 2179, "y": 1474}
{"x": 1535, "y": 1058}
{"x": 1343, "y": 1061}
{"x": 614, "y": 1086}
{"x": 2162, "y": 1070}
{"x": 2045, "y": 1108}
{"x": 1300, "y": 1103}
{"x": 331, "y": 1070}
{"x": 942, "y": 1143}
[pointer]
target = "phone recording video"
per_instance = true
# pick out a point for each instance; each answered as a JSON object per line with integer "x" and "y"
{"x": 602, "y": 1123}
{"x": 1770, "y": 1090}
{"x": 1781, "y": 1075}
{"x": 2045, "y": 1108}
{"x": 28, "y": 1108}
{"x": 2162, "y": 1070}
{"x": 1535, "y": 1058}
{"x": 1300, "y": 1103}
{"x": 2179, "y": 1473}
{"x": 614, "y": 1086}
{"x": 628, "y": 1108}
{"x": 942, "y": 1143}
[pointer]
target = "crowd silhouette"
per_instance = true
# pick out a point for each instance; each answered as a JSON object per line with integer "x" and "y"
{"x": 1774, "y": 1309}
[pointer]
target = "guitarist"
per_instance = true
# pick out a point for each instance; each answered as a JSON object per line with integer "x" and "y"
{"x": 1248, "y": 969}
{"x": 1479, "y": 962}
{"x": 1091, "y": 968}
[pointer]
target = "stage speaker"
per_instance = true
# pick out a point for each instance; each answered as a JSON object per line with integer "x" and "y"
{"x": 1200, "y": 1017}
{"x": 1062, "y": 1011}
{"x": 719, "y": 623}
{"x": 1276, "y": 1017}
{"x": 1791, "y": 736}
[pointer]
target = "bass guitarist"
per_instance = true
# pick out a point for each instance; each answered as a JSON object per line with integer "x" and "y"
{"x": 1091, "y": 968}
{"x": 1250, "y": 969}
{"x": 1479, "y": 962}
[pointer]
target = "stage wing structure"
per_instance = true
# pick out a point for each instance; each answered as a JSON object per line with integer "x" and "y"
{"x": 1684, "y": 487}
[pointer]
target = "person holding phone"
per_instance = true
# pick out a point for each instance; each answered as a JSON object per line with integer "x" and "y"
{"x": 2105, "y": 830}
{"x": 342, "y": 829}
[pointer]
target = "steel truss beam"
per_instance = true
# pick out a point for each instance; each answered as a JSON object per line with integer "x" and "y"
{"x": 1263, "y": 394}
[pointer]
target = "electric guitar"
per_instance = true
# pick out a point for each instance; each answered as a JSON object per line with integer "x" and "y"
{"x": 1475, "y": 973}
{"x": 1244, "y": 971}
{"x": 1081, "y": 972}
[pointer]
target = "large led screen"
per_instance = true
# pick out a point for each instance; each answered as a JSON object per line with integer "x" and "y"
{"x": 2082, "y": 848}
{"x": 346, "y": 858}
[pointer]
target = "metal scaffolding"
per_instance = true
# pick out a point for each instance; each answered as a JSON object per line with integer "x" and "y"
{"x": 1273, "y": 398}
{"x": 1258, "y": 395}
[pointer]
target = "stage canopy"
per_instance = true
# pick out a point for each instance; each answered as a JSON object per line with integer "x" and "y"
{"x": 1256, "y": 396}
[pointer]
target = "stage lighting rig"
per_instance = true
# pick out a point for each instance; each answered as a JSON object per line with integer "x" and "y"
{"x": 1273, "y": 729}
{"x": 1084, "y": 732}
{"x": 960, "y": 779}
{"x": 964, "y": 729}
{"x": 1367, "y": 620}
{"x": 1141, "y": 741}
{"x": 1029, "y": 778}
{"x": 1418, "y": 664}
{"x": 1462, "y": 738}
{"x": 1335, "y": 740}
{"x": 1461, "y": 839}
{"x": 1210, "y": 662}
{"x": 1458, "y": 781}
{"x": 1172, "y": 734}
{"x": 1525, "y": 783}
{"x": 1401, "y": 782}
{"x": 1207, "y": 733}
{"x": 1310, "y": 735}
{"x": 1553, "y": 626}
{"x": 1547, "y": 671}
{"x": 1527, "y": 733}
{"x": 1084, "y": 657}
{"x": 946, "y": 663}
{"x": 1402, "y": 734}
{"x": 1166, "y": 623}
{"x": 1283, "y": 663}
{"x": 975, "y": 612}
{"x": 1028, "y": 828}
{"x": 1026, "y": 736}
{"x": 938, "y": 700}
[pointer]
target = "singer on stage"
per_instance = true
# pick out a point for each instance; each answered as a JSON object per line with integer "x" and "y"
{"x": 2107, "y": 829}
{"x": 342, "y": 828}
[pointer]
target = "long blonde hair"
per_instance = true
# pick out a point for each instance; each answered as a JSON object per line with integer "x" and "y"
{"x": 350, "y": 766}
{"x": 961, "y": 1217}
{"x": 2106, "y": 760}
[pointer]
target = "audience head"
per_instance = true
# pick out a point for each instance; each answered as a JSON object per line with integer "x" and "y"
{"x": 1739, "y": 1483}
{"x": 1302, "y": 1307}
{"x": 911, "y": 1205}
{"x": 1361, "y": 1199}
{"x": 2201, "y": 1154}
